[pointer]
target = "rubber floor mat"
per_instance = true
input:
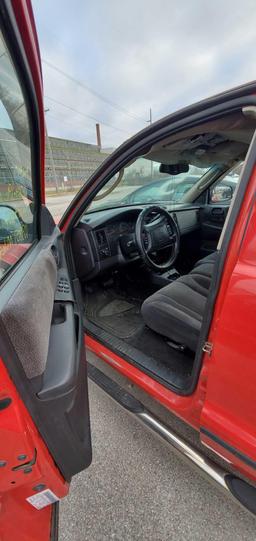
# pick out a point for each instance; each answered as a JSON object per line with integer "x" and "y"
{"x": 116, "y": 315}
{"x": 115, "y": 307}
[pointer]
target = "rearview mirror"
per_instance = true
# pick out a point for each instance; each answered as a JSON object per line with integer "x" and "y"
{"x": 174, "y": 168}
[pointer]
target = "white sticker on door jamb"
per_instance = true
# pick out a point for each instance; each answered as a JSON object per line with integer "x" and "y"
{"x": 42, "y": 499}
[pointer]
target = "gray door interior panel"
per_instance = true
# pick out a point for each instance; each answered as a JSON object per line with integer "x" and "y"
{"x": 42, "y": 345}
{"x": 28, "y": 323}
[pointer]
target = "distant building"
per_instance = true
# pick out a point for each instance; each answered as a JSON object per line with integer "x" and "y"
{"x": 70, "y": 163}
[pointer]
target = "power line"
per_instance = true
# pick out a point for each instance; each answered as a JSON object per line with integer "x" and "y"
{"x": 85, "y": 115}
{"x": 94, "y": 92}
{"x": 90, "y": 130}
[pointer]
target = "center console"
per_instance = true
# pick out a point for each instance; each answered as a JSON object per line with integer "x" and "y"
{"x": 165, "y": 278}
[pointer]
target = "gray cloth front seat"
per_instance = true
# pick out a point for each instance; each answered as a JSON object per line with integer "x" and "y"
{"x": 176, "y": 311}
{"x": 211, "y": 258}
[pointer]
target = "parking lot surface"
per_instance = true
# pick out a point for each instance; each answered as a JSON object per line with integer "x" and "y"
{"x": 137, "y": 489}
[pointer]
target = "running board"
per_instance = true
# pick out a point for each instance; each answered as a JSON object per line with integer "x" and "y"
{"x": 240, "y": 490}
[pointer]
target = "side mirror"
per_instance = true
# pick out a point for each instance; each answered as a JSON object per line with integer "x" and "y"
{"x": 221, "y": 194}
{"x": 12, "y": 227}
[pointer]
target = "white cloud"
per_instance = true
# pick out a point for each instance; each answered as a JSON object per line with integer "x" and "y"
{"x": 140, "y": 54}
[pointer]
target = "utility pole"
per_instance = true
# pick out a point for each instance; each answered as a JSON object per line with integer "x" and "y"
{"x": 48, "y": 143}
{"x": 150, "y": 122}
{"x": 150, "y": 115}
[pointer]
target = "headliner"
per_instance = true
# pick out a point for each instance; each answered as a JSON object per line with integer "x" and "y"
{"x": 224, "y": 140}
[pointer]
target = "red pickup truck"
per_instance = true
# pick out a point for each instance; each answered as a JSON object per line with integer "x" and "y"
{"x": 163, "y": 293}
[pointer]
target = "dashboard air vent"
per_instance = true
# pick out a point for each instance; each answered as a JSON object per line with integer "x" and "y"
{"x": 101, "y": 238}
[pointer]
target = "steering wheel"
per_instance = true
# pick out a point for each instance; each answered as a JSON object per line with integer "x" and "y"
{"x": 157, "y": 230}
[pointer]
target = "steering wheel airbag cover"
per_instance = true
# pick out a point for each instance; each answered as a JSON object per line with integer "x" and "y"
{"x": 157, "y": 237}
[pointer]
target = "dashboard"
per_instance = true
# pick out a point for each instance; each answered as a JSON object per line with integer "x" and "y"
{"x": 104, "y": 239}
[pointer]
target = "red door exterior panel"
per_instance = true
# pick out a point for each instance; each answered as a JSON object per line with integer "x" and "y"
{"x": 228, "y": 420}
{"x": 22, "y": 445}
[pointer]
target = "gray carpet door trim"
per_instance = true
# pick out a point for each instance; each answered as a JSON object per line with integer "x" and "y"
{"x": 27, "y": 316}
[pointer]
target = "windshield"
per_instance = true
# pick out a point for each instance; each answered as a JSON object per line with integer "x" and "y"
{"x": 141, "y": 182}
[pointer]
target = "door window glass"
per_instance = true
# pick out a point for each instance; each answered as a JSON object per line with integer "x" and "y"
{"x": 16, "y": 193}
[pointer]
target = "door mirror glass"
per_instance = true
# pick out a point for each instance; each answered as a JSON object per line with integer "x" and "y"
{"x": 221, "y": 194}
{"x": 12, "y": 229}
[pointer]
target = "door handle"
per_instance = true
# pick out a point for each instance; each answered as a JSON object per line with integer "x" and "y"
{"x": 218, "y": 211}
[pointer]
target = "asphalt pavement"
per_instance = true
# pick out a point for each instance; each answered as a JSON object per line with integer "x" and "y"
{"x": 137, "y": 489}
{"x": 57, "y": 204}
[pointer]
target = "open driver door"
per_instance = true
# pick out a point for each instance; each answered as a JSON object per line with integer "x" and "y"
{"x": 44, "y": 415}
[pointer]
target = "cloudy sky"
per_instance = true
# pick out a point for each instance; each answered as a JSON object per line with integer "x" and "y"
{"x": 111, "y": 60}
